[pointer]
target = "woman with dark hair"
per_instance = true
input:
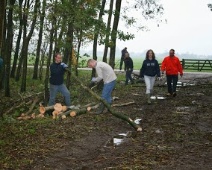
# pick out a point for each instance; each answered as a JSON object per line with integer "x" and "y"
{"x": 150, "y": 68}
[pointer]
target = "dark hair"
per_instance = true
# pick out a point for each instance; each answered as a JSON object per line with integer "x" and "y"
{"x": 153, "y": 54}
{"x": 172, "y": 50}
{"x": 126, "y": 54}
{"x": 56, "y": 54}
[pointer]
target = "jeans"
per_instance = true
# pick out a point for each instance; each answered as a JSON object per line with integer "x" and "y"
{"x": 54, "y": 89}
{"x": 172, "y": 83}
{"x": 149, "y": 81}
{"x": 128, "y": 76}
{"x": 107, "y": 91}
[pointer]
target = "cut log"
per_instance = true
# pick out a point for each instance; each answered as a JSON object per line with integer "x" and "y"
{"x": 43, "y": 109}
{"x": 118, "y": 115}
{"x": 56, "y": 114}
{"x": 58, "y": 107}
{"x": 73, "y": 113}
{"x": 79, "y": 112}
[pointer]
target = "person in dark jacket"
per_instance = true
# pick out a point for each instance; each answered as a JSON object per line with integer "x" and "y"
{"x": 122, "y": 57}
{"x": 57, "y": 69}
{"x": 149, "y": 70}
{"x": 128, "y": 68}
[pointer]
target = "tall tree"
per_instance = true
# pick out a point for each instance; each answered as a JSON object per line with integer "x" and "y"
{"x": 26, "y": 39}
{"x": 8, "y": 51}
{"x": 40, "y": 37}
{"x": 108, "y": 29}
{"x": 114, "y": 33}
{"x": 2, "y": 21}
{"x": 18, "y": 41}
{"x": 97, "y": 29}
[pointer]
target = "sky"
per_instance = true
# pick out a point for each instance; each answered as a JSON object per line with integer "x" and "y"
{"x": 188, "y": 30}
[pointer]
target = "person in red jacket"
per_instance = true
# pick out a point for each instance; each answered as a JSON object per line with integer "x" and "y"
{"x": 172, "y": 66}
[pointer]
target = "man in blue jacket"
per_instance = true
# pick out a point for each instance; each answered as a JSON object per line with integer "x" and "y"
{"x": 57, "y": 70}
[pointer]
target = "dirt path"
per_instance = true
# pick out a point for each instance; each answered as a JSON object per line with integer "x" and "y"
{"x": 177, "y": 133}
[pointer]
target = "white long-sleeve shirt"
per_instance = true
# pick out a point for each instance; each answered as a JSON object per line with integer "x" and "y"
{"x": 105, "y": 72}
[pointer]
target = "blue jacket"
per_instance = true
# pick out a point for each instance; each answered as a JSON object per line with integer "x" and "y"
{"x": 57, "y": 72}
{"x": 150, "y": 68}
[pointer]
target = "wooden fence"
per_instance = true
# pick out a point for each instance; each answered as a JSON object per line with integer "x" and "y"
{"x": 199, "y": 65}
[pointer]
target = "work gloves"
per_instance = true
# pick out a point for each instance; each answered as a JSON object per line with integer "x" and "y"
{"x": 94, "y": 79}
{"x": 64, "y": 65}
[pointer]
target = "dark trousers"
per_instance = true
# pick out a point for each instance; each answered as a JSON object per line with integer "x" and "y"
{"x": 121, "y": 63}
{"x": 128, "y": 76}
{"x": 172, "y": 83}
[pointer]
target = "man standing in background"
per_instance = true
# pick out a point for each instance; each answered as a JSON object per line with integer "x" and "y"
{"x": 171, "y": 64}
{"x": 122, "y": 57}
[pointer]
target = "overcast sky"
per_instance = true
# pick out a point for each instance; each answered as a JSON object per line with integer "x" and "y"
{"x": 188, "y": 29}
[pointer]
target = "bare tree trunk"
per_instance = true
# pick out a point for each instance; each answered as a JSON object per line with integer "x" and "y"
{"x": 96, "y": 35}
{"x": 26, "y": 43}
{"x": 46, "y": 95}
{"x": 43, "y": 52}
{"x": 18, "y": 42}
{"x": 8, "y": 51}
{"x": 108, "y": 31}
{"x": 96, "y": 32}
{"x": 114, "y": 33}
{"x": 40, "y": 37}
{"x": 2, "y": 38}
{"x": 2, "y": 17}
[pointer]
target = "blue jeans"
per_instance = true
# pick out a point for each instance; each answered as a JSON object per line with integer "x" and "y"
{"x": 54, "y": 89}
{"x": 172, "y": 83}
{"x": 107, "y": 91}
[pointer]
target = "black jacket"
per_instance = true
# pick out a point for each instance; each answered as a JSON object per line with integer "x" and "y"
{"x": 57, "y": 72}
{"x": 150, "y": 68}
{"x": 128, "y": 63}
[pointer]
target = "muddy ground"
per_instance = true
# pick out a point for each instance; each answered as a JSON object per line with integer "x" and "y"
{"x": 177, "y": 133}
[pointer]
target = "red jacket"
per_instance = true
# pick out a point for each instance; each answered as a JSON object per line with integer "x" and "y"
{"x": 172, "y": 66}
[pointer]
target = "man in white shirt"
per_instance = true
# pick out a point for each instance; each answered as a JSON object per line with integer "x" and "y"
{"x": 106, "y": 73}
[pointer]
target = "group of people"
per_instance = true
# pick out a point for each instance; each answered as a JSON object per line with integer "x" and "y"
{"x": 150, "y": 70}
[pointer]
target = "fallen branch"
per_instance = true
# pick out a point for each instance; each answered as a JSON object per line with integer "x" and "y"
{"x": 123, "y": 104}
{"x": 118, "y": 115}
{"x": 32, "y": 106}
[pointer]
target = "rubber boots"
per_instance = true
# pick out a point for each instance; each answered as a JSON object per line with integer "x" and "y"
{"x": 148, "y": 98}
{"x": 100, "y": 109}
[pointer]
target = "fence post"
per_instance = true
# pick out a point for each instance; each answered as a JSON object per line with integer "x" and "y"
{"x": 183, "y": 63}
{"x": 198, "y": 66}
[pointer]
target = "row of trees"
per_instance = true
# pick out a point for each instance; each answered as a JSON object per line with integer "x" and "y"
{"x": 44, "y": 27}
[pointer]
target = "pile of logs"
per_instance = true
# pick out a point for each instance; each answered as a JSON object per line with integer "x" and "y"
{"x": 60, "y": 111}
